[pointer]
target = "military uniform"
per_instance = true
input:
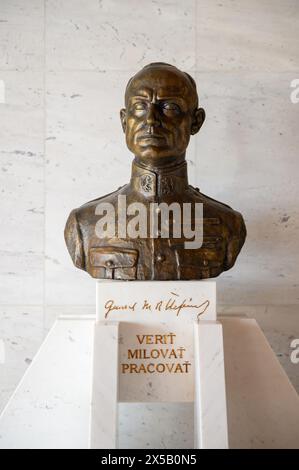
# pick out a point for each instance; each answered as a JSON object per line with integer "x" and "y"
{"x": 159, "y": 258}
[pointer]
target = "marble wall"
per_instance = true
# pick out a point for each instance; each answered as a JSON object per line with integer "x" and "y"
{"x": 64, "y": 65}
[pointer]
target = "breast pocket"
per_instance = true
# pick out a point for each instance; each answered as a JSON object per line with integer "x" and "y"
{"x": 201, "y": 263}
{"x": 113, "y": 263}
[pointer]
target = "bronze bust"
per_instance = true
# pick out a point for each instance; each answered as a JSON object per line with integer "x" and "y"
{"x": 160, "y": 116}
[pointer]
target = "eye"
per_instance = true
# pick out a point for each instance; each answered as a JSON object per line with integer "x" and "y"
{"x": 139, "y": 106}
{"x": 171, "y": 107}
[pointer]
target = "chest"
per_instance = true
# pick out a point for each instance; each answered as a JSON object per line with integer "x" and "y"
{"x": 158, "y": 257}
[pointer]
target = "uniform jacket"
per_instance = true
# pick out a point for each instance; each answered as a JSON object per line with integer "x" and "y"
{"x": 224, "y": 233}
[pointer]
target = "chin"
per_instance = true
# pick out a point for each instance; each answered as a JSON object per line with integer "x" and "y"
{"x": 155, "y": 153}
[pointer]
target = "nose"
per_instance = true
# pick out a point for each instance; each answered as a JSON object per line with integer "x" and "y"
{"x": 152, "y": 117}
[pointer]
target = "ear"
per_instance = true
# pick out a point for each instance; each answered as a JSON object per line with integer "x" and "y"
{"x": 198, "y": 119}
{"x": 123, "y": 118}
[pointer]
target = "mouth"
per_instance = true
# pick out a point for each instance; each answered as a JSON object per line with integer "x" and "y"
{"x": 151, "y": 138}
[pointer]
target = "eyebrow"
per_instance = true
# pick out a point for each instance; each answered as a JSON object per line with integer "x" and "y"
{"x": 143, "y": 93}
{"x": 169, "y": 97}
{"x": 170, "y": 92}
{"x": 159, "y": 98}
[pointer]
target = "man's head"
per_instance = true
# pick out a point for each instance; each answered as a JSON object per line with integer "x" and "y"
{"x": 161, "y": 113}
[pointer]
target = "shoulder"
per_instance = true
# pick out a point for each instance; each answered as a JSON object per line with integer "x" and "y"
{"x": 79, "y": 221}
{"x": 73, "y": 240}
{"x": 87, "y": 210}
{"x": 235, "y": 228}
{"x": 219, "y": 209}
{"x": 233, "y": 222}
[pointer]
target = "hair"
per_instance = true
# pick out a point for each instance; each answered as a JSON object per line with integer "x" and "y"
{"x": 159, "y": 64}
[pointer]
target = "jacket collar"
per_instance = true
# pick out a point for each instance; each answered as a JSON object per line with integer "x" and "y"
{"x": 159, "y": 182}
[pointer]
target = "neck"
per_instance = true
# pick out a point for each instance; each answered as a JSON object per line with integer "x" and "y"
{"x": 159, "y": 163}
{"x": 161, "y": 181}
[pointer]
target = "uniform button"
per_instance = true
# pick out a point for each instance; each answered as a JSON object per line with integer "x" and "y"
{"x": 160, "y": 258}
{"x": 109, "y": 263}
{"x": 205, "y": 262}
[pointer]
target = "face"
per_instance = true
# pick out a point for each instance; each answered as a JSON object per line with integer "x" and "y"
{"x": 160, "y": 114}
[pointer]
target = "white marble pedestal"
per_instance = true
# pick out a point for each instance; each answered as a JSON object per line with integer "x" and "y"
{"x": 51, "y": 406}
{"x": 158, "y": 342}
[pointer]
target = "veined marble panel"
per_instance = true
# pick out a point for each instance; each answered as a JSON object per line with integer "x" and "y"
{"x": 22, "y": 35}
{"x": 238, "y": 35}
{"x": 21, "y": 333}
{"x": 22, "y": 189}
{"x": 250, "y": 165}
{"x": 119, "y": 35}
